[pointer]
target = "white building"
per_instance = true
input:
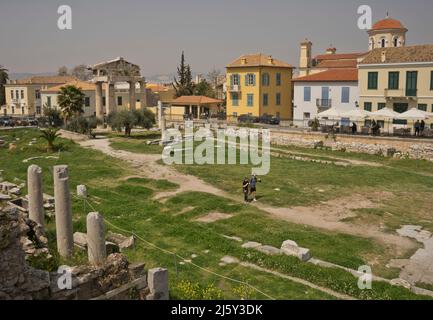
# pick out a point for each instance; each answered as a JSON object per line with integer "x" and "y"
{"x": 336, "y": 88}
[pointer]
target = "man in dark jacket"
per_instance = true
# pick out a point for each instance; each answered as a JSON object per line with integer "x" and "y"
{"x": 245, "y": 188}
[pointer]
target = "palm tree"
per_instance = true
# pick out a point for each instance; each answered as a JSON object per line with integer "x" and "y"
{"x": 50, "y": 135}
{"x": 70, "y": 100}
{"x": 4, "y": 77}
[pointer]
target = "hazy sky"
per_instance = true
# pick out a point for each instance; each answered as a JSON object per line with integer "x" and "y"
{"x": 211, "y": 32}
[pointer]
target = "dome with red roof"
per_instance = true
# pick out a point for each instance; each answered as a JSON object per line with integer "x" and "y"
{"x": 388, "y": 23}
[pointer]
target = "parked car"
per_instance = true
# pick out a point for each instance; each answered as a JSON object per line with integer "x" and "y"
{"x": 268, "y": 119}
{"x": 246, "y": 118}
{"x": 6, "y": 122}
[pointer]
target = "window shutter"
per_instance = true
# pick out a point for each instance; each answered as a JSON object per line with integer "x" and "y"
{"x": 254, "y": 79}
{"x": 246, "y": 80}
{"x": 231, "y": 80}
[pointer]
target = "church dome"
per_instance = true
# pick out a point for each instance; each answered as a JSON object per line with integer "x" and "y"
{"x": 388, "y": 23}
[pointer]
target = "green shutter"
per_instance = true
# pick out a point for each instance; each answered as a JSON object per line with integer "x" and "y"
{"x": 431, "y": 80}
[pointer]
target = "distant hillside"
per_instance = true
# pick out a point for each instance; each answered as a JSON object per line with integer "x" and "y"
{"x": 18, "y": 76}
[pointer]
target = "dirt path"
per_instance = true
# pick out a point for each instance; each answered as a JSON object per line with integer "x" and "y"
{"x": 325, "y": 216}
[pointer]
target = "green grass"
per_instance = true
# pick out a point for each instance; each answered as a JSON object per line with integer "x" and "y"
{"x": 129, "y": 204}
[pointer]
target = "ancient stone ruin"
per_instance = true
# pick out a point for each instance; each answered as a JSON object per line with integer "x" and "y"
{"x": 23, "y": 240}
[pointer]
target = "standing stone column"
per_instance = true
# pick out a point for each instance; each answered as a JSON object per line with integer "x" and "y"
{"x": 96, "y": 238}
{"x": 110, "y": 98}
{"x": 143, "y": 95}
{"x": 99, "y": 102}
{"x": 159, "y": 111}
{"x": 62, "y": 198}
{"x": 157, "y": 280}
{"x": 36, "y": 197}
{"x": 132, "y": 98}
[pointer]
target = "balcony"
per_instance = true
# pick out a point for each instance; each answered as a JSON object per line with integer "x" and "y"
{"x": 323, "y": 104}
{"x": 235, "y": 88}
{"x": 397, "y": 94}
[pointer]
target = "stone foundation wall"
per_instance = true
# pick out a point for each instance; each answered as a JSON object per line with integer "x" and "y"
{"x": 115, "y": 279}
{"x": 386, "y": 146}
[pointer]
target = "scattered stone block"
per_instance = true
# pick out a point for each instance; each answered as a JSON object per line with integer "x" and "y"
{"x": 80, "y": 240}
{"x": 137, "y": 269}
{"x": 400, "y": 283}
{"x": 5, "y": 197}
{"x": 122, "y": 241}
{"x": 291, "y": 248}
{"x": 111, "y": 247}
{"x": 229, "y": 260}
{"x": 251, "y": 245}
{"x": 15, "y": 191}
{"x": 82, "y": 191}
{"x": 158, "y": 284}
{"x": 269, "y": 250}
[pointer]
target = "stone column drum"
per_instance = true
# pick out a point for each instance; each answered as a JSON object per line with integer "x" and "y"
{"x": 110, "y": 98}
{"x": 132, "y": 98}
{"x": 35, "y": 194}
{"x": 98, "y": 101}
{"x": 62, "y": 198}
{"x": 96, "y": 249}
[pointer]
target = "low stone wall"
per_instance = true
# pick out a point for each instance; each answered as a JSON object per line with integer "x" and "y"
{"x": 386, "y": 146}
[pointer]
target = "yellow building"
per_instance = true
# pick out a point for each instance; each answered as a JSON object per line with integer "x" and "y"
{"x": 23, "y": 97}
{"x": 259, "y": 85}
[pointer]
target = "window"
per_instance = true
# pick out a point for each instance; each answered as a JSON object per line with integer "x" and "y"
{"x": 234, "y": 80}
{"x": 17, "y": 94}
{"x": 250, "y": 99}
{"x": 119, "y": 101}
{"x": 307, "y": 94}
{"x": 411, "y": 83}
{"x": 422, "y": 107}
{"x": 38, "y": 109}
{"x": 367, "y": 106}
{"x": 278, "y": 99}
{"x": 265, "y": 79}
{"x": 401, "y": 107}
{"x": 103, "y": 101}
{"x": 12, "y": 94}
{"x": 396, "y": 42}
{"x": 22, "y": 110}
{"x": 37, "y": 94}
{"x": 13, "y": 110}
{"x": 383, "y": 43}
{"x": 393, "y": 80}
{"x": 431, "y": 80}
{"x": 250, "y": 79}
{"x": 345, "y": 94}
{"x": 235, "y": 114}
{"x": 235, "y": 99}
{"x": 278, "y": 79}
{"x": 22, "y": 94}
{"x": 87, "y": 101}
{"x": 49, "y": 101}
{"x": 307, "y": 115}
{"x": 372, "y": 80}
{"x": 265, "y": 99}
{"x": 381, "y": 105}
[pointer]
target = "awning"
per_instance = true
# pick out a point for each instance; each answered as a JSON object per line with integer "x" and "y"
{"x": 385, "y": 113}
{"x": 356, "y": 113}
{"x": 414, "y": 114}
{"x": 331, "y": 113}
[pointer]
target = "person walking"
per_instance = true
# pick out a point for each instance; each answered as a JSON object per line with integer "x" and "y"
{"x": 253, "y": 185}
{"x": 417, "y": 126}
{"x": 354, "y": 128}
{"x": 245, "y": 188}
{"x": 422, "y": 127}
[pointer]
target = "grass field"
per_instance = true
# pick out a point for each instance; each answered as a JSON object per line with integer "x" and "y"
{"x": 127, "y": 203}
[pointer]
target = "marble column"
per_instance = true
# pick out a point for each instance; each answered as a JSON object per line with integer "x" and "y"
{"x": 35, "y": 194}
{"x": 159, "y": 111}
{"x": 110, "y": 98}
{"x": 63, "y": 211}
{"x": 132, "y": 97}
{"x": 96, "y": 249}
{"x": 99, "y": 102}
{"x": 143, "y": 95}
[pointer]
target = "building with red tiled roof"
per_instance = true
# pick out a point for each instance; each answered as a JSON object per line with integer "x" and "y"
{"x": 387, "y": 33}
{"x": 194, "y": 107}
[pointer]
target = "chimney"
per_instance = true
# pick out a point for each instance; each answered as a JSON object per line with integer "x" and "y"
{"x": 383, "y": 57}
{"x": 270, "y": 60}
{"x": 305, "y": 58}
{"x": 331, "y": 50}
{"x": 243, "y": 60}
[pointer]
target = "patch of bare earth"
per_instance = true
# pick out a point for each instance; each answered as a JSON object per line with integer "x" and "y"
{"x": 330, "y": 214}
{"x": 213, "y": 216}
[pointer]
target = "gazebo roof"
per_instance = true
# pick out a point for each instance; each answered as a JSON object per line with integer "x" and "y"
{"x": 194, "y": 100}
